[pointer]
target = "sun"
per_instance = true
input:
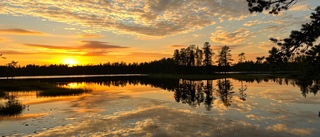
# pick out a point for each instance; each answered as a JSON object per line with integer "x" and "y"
{"x": 70, "y": 62}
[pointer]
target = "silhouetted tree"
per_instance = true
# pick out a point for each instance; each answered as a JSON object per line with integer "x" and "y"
{"x": 199, "y": 57}
{"x": 242, "y": 57}
{"x": 2, "y": 56}
{"x": 260, "y": 60}
{"x": 224, "y": 58}
{"x": 190, "y": 55}
{"x": 274, "y": 58}
{"x": 301, "y": 41}
{"x": 207, "y": 51}
{"x": 274, "y": 6}
{"x": 176, "y": 57}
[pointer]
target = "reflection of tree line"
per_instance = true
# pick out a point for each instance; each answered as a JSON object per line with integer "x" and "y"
{"x": 307, "y": 86}
{"x": 196, "y": 92}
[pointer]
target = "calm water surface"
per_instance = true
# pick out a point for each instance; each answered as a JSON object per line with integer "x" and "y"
{"x": 224, "y": 107}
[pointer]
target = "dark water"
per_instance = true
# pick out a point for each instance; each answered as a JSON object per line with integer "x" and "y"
{"x": 140, "y": 106}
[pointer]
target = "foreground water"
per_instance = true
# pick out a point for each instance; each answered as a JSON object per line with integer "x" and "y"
{"x": 224, "y": 107}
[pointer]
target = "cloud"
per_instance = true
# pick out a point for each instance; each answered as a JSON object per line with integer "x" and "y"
{"x": 98, "y": 45}
{"x": 299, "y": 7}
{"x": 85, "y": 45}
{"x": 154, "y": 18}
{"x": 14, "y": 52}
{"x": 282, "y": 24}
{"x": 178, "y": 46}
{"x": 266, "y": 45}
{"x": 236, "y": 37}
{"x": 19, "y": 31}
{"x": 48, "y": 46}
{"x": 87, "y": 48}
{"x": 97, "y": 53}
{"x": 89, "y": 36}
{"x": 147, "y": 55}
{"x": 252, "y": 23}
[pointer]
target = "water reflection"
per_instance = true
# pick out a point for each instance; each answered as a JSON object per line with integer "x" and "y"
{"x": 242, "y": 93}
{"x": 194, "y": 93}
{"x": 9, "y": 90}
{"x": 225, "y": 91}
{"x": 130, "y": 106}
{"x": 191, "y": 92}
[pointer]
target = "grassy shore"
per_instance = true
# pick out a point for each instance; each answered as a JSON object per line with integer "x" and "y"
{"x": 43, "y": 88}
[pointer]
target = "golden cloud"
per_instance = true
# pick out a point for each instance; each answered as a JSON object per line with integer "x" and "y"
{"x": 155, "y": 18}
{"x": 147, "y": 55}
{"x": 89, "y": 36}
{"x": 178, "y": 46}
{"x": 87, "y": 48}
{"x": 85, "y": 45}
{"x": 252, "y": 23}
{"x": 19, "y": 31}
{"x": 236, "y": 37}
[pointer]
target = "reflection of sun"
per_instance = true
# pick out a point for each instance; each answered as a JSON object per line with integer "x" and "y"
{"x": 75, "y": 85}
{"x": 70, "y": 62}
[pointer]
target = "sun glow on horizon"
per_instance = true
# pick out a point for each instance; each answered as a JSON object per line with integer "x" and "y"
{"x": 70, "y": 62}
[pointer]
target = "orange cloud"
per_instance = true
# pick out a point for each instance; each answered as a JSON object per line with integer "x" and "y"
{"x": 14, "y": 52}
{"x": 140, "y": 18}
{"x": 178, "y": 46}
{"x": 97, "y": 53}
{"x": 99, "y": 45}
{"x": 89, "y": 36}
{"x": 236, "y": 37}
{"x": 85, "y": 45}
{"x": 146, "y": 54}
{"x": 19, "y": 31}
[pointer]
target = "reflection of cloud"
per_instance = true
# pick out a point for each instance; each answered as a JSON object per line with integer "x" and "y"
{"x": 19, "y": 31}
{"x": 153, "y": 121}
{"x": 284, "y": 128}
{"x": 25, "y": 116}
{"x": 142, "y": 17}
{"x": 236, "y": 37}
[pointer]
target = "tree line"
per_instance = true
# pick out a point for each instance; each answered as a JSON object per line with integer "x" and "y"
{"x": 189, "y": 60}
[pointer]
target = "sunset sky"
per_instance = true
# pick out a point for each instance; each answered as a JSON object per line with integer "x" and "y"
{"x": 98, "y": 31}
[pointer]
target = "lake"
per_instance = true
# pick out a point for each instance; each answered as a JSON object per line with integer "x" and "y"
{"x": 142, "y": 106}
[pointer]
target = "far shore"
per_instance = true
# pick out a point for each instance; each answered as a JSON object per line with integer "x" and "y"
{"x": 217, "y": 75}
